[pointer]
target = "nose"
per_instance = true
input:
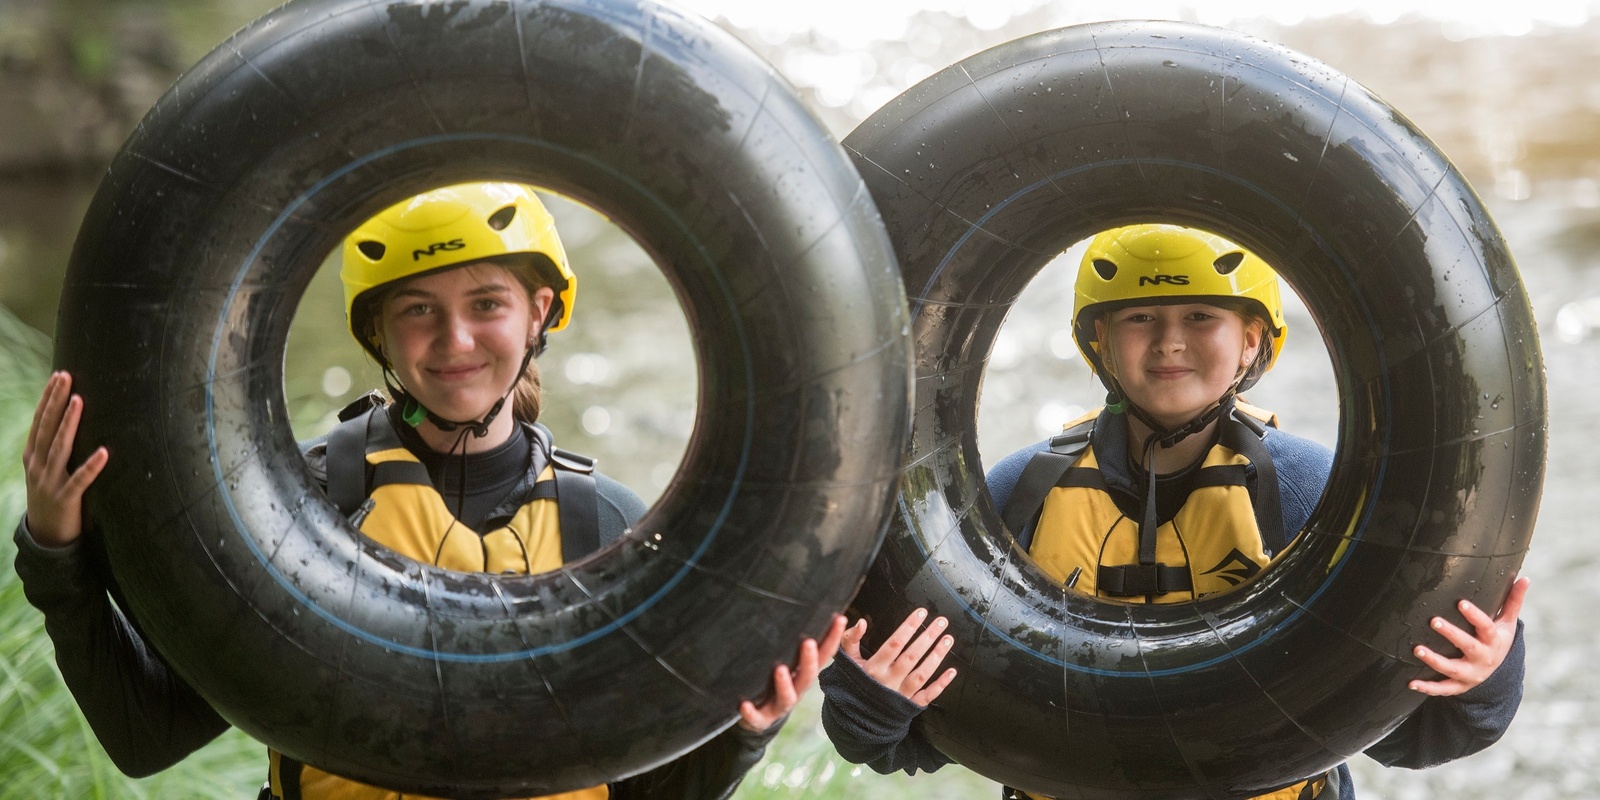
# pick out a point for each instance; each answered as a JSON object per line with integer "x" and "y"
{"x": 455, "y": 333}
{"x": 1169, "y": 335}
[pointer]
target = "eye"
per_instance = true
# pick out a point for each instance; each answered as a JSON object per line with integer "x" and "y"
{"x": 413, "y": 310}
{"x": 486, "y": 304}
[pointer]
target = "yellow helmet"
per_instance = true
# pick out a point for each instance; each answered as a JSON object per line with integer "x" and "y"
{"x": 1157, "y": 264}
{"x": 449, "y": 227}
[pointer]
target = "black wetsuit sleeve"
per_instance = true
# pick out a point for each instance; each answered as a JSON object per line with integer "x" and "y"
{"x": 1447, "y": 728}
{"x": 145, "y": 716}
{"x": 871, "y": 724}
{"x": 711, "y": 771}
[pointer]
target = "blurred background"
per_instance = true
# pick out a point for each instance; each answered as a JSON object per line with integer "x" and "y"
{"x": 1511, "y": 92}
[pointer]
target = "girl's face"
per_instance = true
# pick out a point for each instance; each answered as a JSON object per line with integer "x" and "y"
{"x": 1174, "y": 361}
{"x": 456, "y": 338}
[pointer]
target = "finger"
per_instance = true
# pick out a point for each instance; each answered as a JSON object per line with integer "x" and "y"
{"x": 751, "y": 717}
{"x": 1438, "y": 688}
{"x": 54, "y": 409}
{"x": 850, "y": 643}
{"x": 918, "y": 678}
{"x": 1456, "y": 676}
{"x": 88, "y": 471}
{"x": 919, "y": 647}
{"x": 1459, "y": 669}
{"x": 1475, "y": 616}
{"x": 784, "y": 695}
{"x": 1513, "y": 605}
{"x": 36, "y": 430}
{"x": 932, "y": 691}
{"x": 66, "y": 434}
{"x": 1468, "y": 643}
{"x": 806, "y": 671}
{"x": 897, "y": 641}
{"x": 831, "y": 639}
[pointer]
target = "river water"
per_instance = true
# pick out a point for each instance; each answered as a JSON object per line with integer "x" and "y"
{"x": 1520, "y": 115}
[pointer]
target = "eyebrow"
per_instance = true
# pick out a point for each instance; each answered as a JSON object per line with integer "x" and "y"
{"x": 479, "y": 290}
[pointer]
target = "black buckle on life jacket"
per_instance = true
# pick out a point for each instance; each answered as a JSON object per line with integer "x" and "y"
{"x": 361, "y": 405}
{"x": 1072, "y": 441}
{"x": 572, "y": 462}
{"x": 1134, "y": 580}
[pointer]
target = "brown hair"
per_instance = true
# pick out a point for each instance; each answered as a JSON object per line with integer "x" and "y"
{"x": 527, "y": 397}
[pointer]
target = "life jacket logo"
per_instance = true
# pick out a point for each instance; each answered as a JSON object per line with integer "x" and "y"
{"x": 1235, "y": 568}
{"x": 1175, "y": 280}
{"x": 436, "y": 248}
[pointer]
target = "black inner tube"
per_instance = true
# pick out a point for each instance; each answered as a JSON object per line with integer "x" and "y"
{"x": 987, "y": 170}
{"x": 341, "y": 654}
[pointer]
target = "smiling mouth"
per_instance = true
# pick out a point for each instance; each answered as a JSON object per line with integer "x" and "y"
{"x": 453, "y": 373}
{"x": 1170, "y": 372}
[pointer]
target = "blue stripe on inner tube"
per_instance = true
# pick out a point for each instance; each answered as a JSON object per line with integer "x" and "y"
{"x": 1355, "y": 538}
{"x": 294, "y": 591}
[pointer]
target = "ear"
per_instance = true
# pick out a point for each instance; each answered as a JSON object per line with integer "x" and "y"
{"x": 539, "y": 305}
{"x": 1254, "y": 329}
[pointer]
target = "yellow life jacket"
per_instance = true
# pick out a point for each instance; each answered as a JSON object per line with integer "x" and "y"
{"x": 1220, "y": 536}
{"x": 1214, "y": 543}
{"x": 403, "y": 512}
{"x": 1309, "y": 789}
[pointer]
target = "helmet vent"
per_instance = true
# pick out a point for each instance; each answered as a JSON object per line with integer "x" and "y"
{"x": 1105, "y": 269}
{"x": 371, "y": 249}
{"x": 1228, "y": 263}
{"x": 500, "y": 219}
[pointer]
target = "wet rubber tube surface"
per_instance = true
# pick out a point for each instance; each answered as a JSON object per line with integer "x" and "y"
{"x": 188, "y": 270}
{"x": 985, "y": 171}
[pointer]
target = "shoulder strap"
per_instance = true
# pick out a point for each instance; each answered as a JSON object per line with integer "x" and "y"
{"x": 577, "y": 503}
{"x": 347, "y": 463}
{"x": 288, "y": 774}
{"x": 350, "y": 478}
{"x": 1043, "y": 472}
{"x": 1244, "y": 436}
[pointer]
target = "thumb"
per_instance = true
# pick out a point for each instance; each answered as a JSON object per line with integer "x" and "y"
{"x": 850, "y": 643}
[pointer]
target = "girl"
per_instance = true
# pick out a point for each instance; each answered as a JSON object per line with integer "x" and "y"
{"x": 453, "y": 292}
{"x": 1175, "y": 490}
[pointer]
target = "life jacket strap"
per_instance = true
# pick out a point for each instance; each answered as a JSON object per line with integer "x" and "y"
{"x": 1245, "y": 437}
{"x": 1133, "y": 580}
{"x": 578, "y": 503}
{"x": 347, "y": 464}
{"x": 287, "y": 772}
{"x": 1042, "y": 474}
{"x": 351, "y": 480}
{"x": 1220, "y": 475}
{"x": 404, "y": 473}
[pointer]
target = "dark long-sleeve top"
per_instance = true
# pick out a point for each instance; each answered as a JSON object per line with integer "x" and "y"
{"x": 874, "y": 725}
{"x": 148, "y": 718}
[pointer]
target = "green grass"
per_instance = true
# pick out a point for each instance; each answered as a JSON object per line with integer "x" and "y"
{"x": 48, "y": 751}
{"x": 46, "y": 747}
